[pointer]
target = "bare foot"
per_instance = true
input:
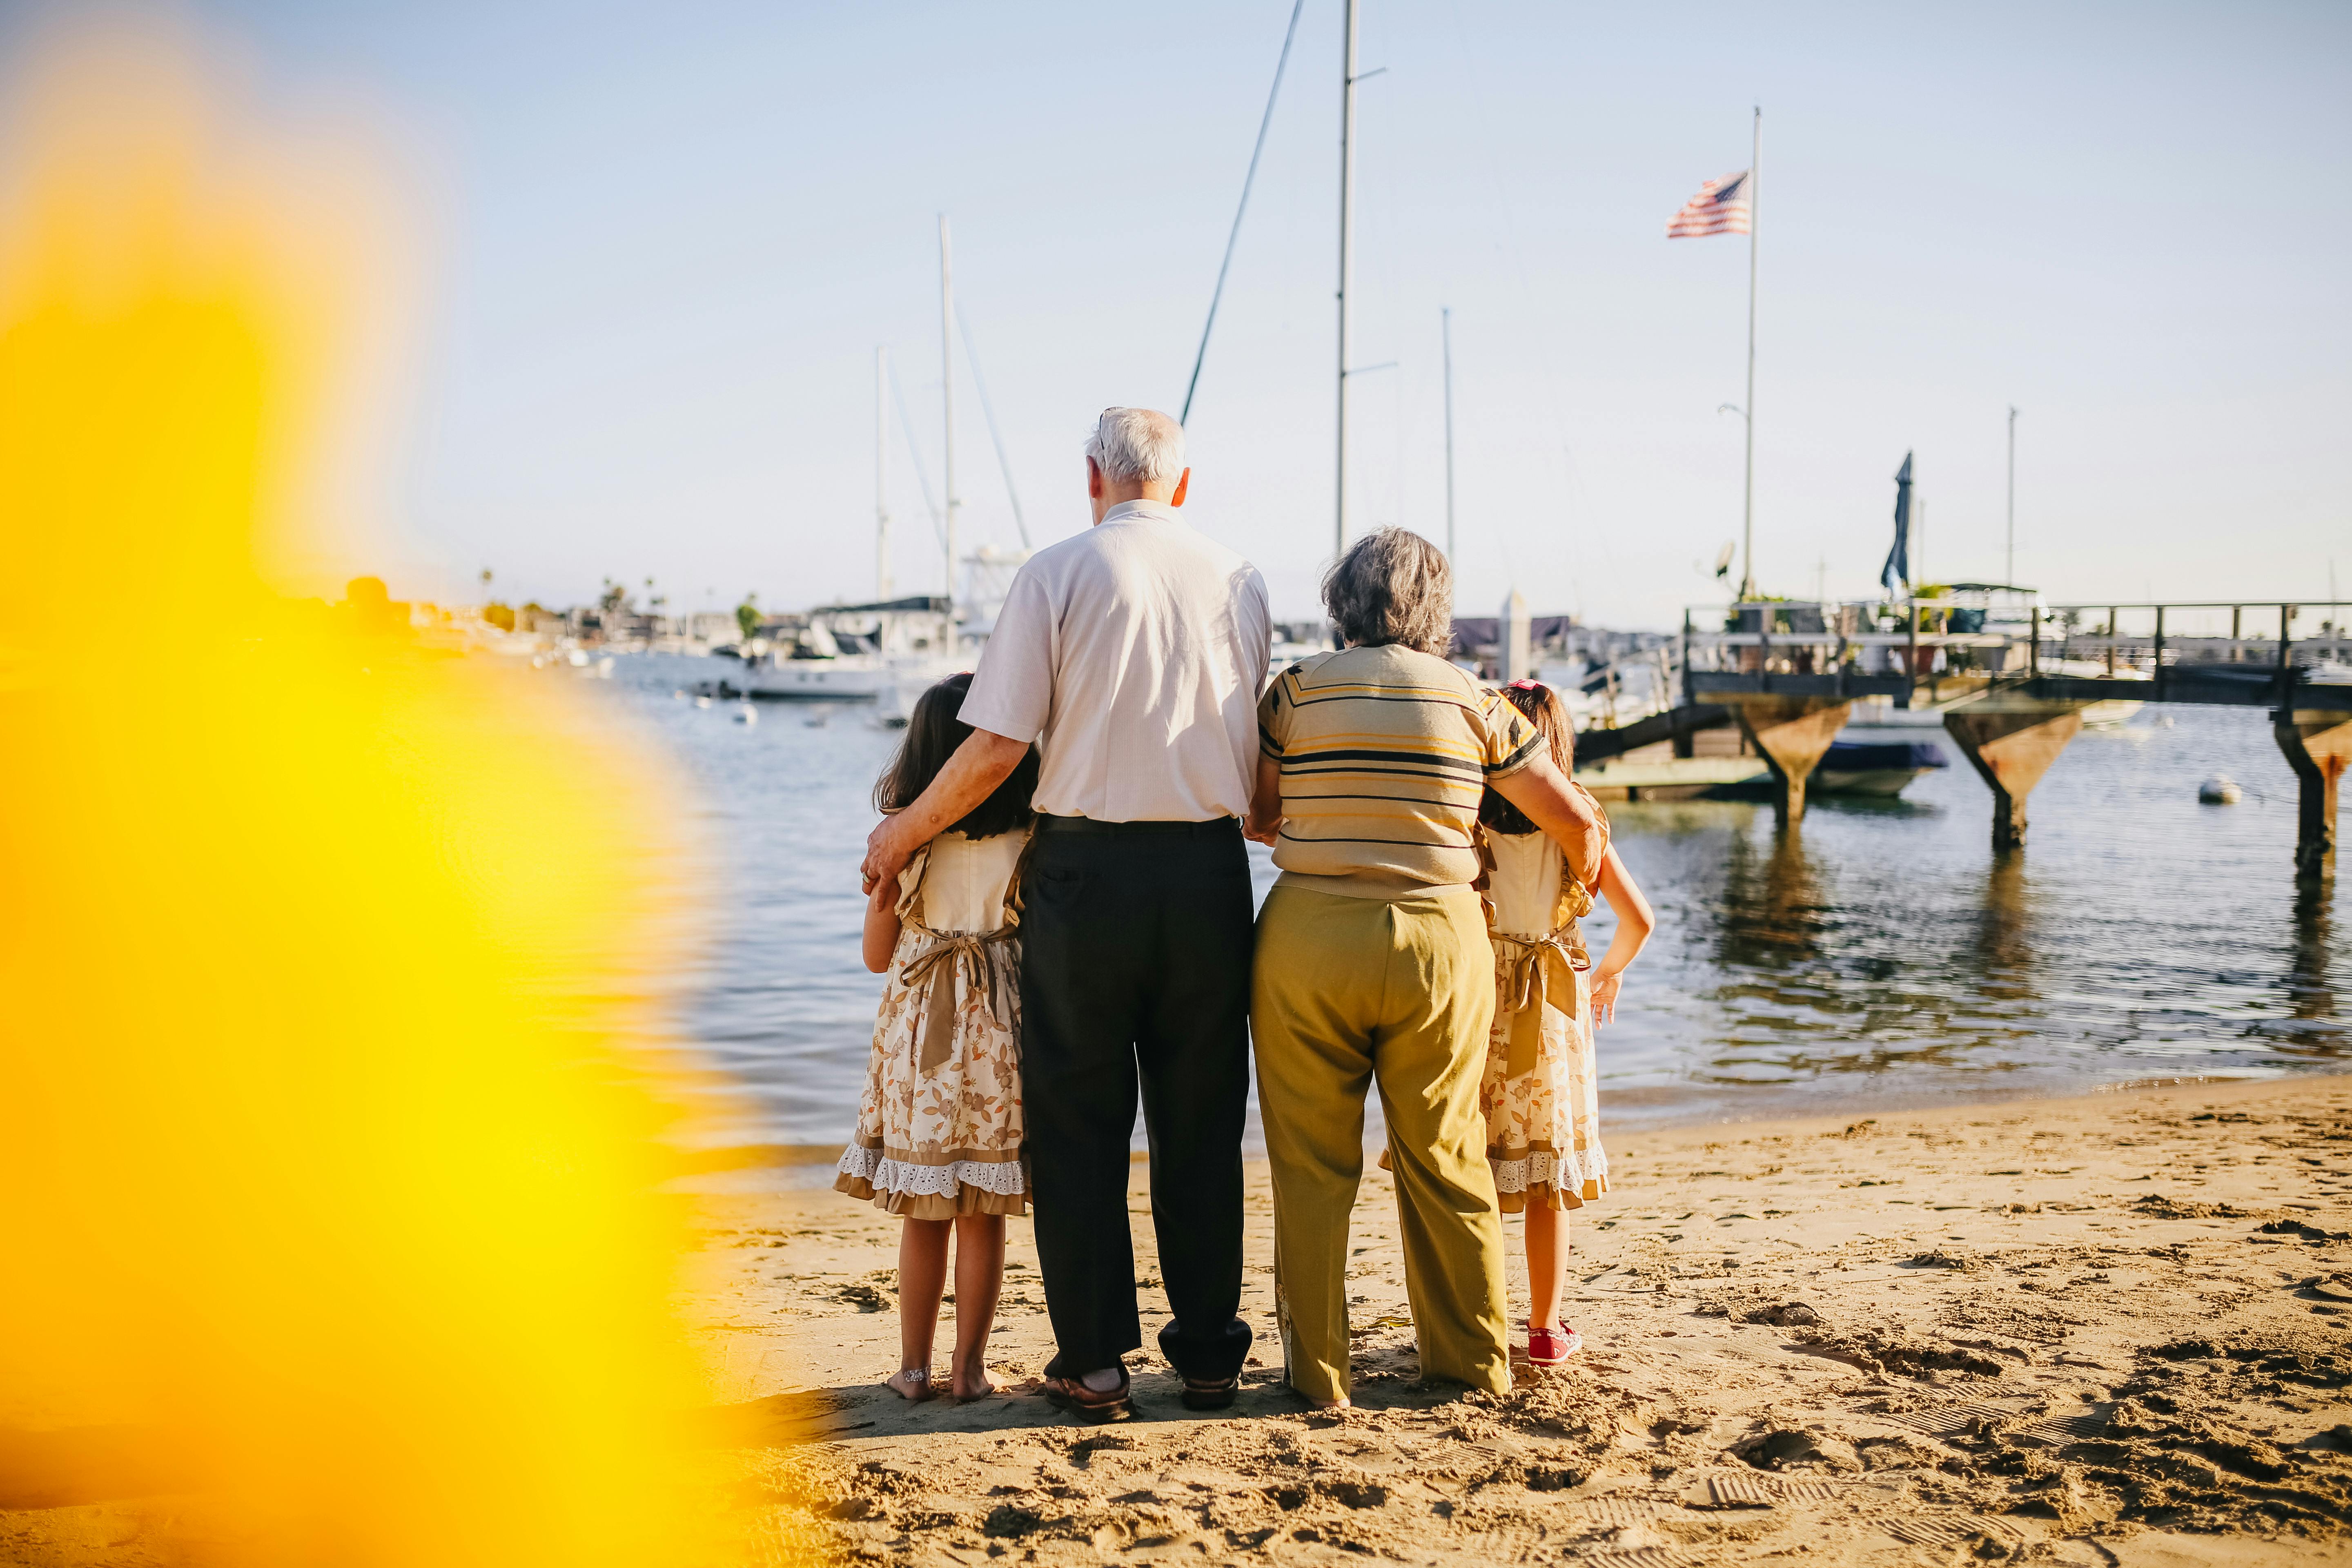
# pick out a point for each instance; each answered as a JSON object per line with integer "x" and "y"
{"x": 977, "y": 1385}
{"x": 912, "y": 1383}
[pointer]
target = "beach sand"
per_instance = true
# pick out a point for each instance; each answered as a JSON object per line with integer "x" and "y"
{"x": 2113, "y": 1330}
{"x": 2109, "y": 1329}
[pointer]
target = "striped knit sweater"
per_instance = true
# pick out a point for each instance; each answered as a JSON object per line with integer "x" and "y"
{"x": 1385, "y": 756}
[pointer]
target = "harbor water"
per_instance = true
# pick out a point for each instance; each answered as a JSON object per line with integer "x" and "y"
{"x": 1879, "y": 957}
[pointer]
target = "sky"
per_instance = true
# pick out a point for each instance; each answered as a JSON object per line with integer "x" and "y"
{"x": 660, "y": 246}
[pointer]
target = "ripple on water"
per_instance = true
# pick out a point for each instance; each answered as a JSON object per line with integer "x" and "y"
{"x": 1878, "y": 956}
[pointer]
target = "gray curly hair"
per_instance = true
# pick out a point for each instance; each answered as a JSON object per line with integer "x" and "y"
{"x": 1138, "y": 444}
{"x": 1392, "y": 586}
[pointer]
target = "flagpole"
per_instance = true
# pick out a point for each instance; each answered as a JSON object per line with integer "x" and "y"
{"x": 1747, "y": 505}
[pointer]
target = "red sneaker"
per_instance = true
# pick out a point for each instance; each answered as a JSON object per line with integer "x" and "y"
{"x": 1552, "y": 1347}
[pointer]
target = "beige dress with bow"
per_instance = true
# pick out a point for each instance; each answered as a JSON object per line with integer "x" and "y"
{"x": 940, "y": 1125}
{"x": 1540, "y": 1092}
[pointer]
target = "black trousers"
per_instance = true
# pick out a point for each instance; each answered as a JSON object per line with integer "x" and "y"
{"x": 1135, "y": 972}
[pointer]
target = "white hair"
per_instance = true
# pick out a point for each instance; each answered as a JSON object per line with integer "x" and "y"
{"x": 1133, "y": 446}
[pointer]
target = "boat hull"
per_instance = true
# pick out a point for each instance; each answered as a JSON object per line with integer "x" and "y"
{"x": 1873, "y": 781}
{"x": 830, "y": 680}
{"x": 817, "y": 680}
{"x": 1849, "y": 768}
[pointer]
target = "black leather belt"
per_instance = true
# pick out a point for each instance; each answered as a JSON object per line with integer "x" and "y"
{"x": 1217, "y": 826}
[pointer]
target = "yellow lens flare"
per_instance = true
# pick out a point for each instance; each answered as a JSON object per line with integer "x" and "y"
{"x": 329, "y": 1207}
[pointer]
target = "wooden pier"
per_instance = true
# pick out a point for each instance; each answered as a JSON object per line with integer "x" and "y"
{"x": 2012, "y": 678}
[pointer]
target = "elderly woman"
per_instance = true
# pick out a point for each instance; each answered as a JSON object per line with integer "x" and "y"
{"x": 1373, "y": 961}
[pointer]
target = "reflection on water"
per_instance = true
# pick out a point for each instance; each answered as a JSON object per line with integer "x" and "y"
{"x": 1817, "y": 969}
{"x": 2310, "y": 997}
{"x": 1879, "y": 954}
{"x": 1882, "y": 953}
{"x": 2003, "y": 948}
{"x": 1774, "y": 916}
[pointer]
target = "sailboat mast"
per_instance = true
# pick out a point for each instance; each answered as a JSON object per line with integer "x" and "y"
{"x": 1445, "y": 329}
{"x": 881, "y": 470}
{"x": 1346, "y": 267}
{"x": 947, "y": 402}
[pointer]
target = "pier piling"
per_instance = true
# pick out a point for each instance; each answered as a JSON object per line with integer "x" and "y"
{"x": 2011, "y": 744}
{"x": 1790, "y": 733}
{"x": 2318, "y": 746}
{"x": 1788, "y": 685}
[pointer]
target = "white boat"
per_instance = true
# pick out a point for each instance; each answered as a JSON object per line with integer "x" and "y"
{"x": 855, "y": 653}
{"x": 1874, "y": 720}
{"x": 812, "y": 681}
{"x": 1878, "y": 719}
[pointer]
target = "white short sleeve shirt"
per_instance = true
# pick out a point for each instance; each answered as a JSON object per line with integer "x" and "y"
{"x": 1133, "y": 655}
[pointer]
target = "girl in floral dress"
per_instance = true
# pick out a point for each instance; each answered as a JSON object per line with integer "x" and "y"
{"x": 939, "y": 1127}
{"x": 1539, "y": 1094}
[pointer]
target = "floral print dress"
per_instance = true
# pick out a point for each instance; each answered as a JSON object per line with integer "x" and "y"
{"x": 1541, "y": 1092}
{"x": 940, "y": 1125}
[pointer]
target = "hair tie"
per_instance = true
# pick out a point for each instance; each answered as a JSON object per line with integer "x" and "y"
{"x": 1526, "y": 686}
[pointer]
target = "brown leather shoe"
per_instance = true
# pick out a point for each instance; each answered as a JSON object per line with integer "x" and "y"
{"x": 1091, "y": 1405}
{"x": 1204, "y": 1396}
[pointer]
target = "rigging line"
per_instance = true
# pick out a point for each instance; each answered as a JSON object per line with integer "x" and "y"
{"x": 988, "y": 411}
{"x": 914, "y": 454}
{"x": 1231, "y": 239}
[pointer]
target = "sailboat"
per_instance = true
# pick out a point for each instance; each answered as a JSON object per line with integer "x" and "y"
{"x": 858, "y": 653}
{"x": 888, "y": 650}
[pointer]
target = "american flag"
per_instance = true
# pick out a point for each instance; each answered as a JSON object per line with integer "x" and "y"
{"x": 1720, "y": 207}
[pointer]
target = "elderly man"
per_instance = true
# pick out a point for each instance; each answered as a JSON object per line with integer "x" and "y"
{"x": 1133, "y": 656}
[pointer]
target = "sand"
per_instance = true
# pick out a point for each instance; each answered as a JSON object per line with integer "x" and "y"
{"x": 2115, "y": 1329}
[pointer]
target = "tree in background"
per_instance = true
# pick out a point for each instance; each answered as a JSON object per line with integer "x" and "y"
{"x": 747, "y": 617}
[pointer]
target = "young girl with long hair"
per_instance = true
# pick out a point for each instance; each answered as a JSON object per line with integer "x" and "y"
{"x": 1539, "y": 1093}
{"x": 939, "y": 1126}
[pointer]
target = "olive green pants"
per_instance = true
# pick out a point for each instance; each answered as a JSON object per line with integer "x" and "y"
{"x": 1346, "y": 991}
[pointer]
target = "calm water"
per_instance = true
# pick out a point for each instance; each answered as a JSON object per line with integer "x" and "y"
{"x": 1877, "y": 958}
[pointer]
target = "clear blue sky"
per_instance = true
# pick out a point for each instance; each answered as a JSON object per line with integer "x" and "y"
{"x": 668, "y": 237}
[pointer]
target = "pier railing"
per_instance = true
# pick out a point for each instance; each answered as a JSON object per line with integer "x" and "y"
{"x": 2146, "y": 638}
{"x": 2013, "y": 677}
{"x": 2219, "y": 651}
